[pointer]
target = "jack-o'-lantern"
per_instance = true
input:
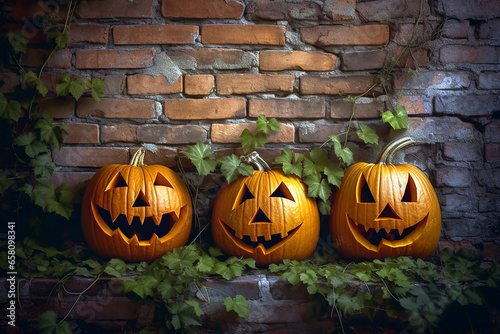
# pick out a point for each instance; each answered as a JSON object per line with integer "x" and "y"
{"x": 266, "y": 216}
{"x": 136, "y": 212}
{"x": 385, "y": 210}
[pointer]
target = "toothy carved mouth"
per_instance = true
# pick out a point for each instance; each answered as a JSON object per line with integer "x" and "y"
{"x": 143, "y": 231}
{"x": 393, "y": 237}
{"x": 275, "y": 241}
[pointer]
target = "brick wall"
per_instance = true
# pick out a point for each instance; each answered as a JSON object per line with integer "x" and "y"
{"x": 177, "y": 72}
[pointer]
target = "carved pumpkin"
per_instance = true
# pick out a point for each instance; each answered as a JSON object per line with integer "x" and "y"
{"x": 266, "y": 216}
{"x": 385, "y": 210}
{"x": 136, "y": 212}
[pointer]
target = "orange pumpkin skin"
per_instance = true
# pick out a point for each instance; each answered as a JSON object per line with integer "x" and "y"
{"x": 268, "y": 206}
{"x": 136, "y": 213}
{"x": 385, "y": 211}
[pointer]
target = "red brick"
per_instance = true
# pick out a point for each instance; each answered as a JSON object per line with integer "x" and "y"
{"x": 90, "y": 156}
{"x": 432, "y": 80}
{"x": 58, "y": 107}
{"x": 287, "y": 108}
{"x": 416, "y": 104}
{"x": 335, "y": 85}
{"x": 332, "y": 35}
{"x": 70, "y": 178}
{"x": 159, "y": 156}
{"x": 489, "y": 30}
{"x": 9, "y": 81}
{"x": 466, "y": 9}
{"x": 456, "y": 29}
{"x": 149, "y": 84}
{"x": 36, "y": 58}
{"x": 190, "y": 109}
{"x": 489, "y": 80}
{"x": 115, "y": 133}
{"x": 114, "y": 84}
{"x": 155, "y": 34}
{"x": 171, "y": 134}
{"x": 492, "y": 152}
{"x": 213, "y": 59}
{"x": 202, "y": 9}
{"x": 243, "y": 34}
{"x": 89, "y": 33}
{"x": 116, "y": 108}
{"x": 29, "y": 9}
{"x": 383, "y": 10}
{"x": 469, "y": 54}
{"x": 30, "y": 32}
{"x": 363, "y": 108}
{"x": 285, "y": 11}
{"x": 97, "y": 9}
{"x": 319, "y": 133}
{"x": 228, "y": 84}
{"x": 365, "y": 60}
{"x": 82, "y": 134}
{"x": 296, "y": 60}
{"x": 137, "y": 58}
{"x": 198, "y": 84}
{"x": 340, "y": 9}
{"x": 230, "y": 133}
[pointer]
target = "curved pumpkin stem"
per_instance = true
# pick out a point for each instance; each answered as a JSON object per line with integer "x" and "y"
{"x": 138, "y": 158}
{"x": 390, "y": 150}
{"x": 256, "y": 160}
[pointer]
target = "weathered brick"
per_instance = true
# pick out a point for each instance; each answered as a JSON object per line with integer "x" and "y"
{"x": 230, "y": 133}
{"x": 462, "y": 151}
{"x": 198, "y": 84}
{"x": 332, "y": 35}
{"x": 58, "y": 107}
{"x": 432, "y": 80}
{"x": 137, "y": 58}
{"x": 171, "y": 134}
{"x": 296, "y": 60}
{"x": 489, "y": 30}
{"x": 467, "y": 105}
{"x": 90, "y": 156}
{"x": 416, "y": 104}
{"x": 243, "y": 34}
{"x": 285, "y": 11}
{"x": 9, "y": 81}
{"x": 159, "y": 156}
{"x": 221, "y": 108}
{"x": 440, "y": 130}
{"x": 71, "y": 178}
{"x": 489, "y": 177}
{"x": 318, "y": 133}
{"x": 363, "y": 108}
{"x": 30, "y": 32}
{"x": 89, "y": 33}
{"x": 149, "y": 84}
{"x": 466, "y": 9}
{"x": 155, "y": 34}
{"x": 79, "y": 133}
{"x": 228, "y": 84}
{"x": 336, "y": 84}
{"x": 114, "y": 84}
{"x": 96, "y": 9}
{"x": 116, "y": 108}
{"x": 491, "y": 250}
{"x": 200, "y": 9}
{"x": 384, "y": 10}
{"x": 456, "y": 204}
{"x": 456, "y": 29}
{"x": 482, "y": 54}
{"x": 340, "y": 9}
{"x": 491, "y": 131}
{"x": 457, "y": 177}
{"x": 287, "y": 108}
{"x": 365, "y": 60}
{"x": 27, "y": 10}
{"x": 213, "y": 59}
{"x": 36, "y": 58}
{"x": 492, "y": 152}
{"x": 489, "y": 80}
{"x": 126, "y": 133}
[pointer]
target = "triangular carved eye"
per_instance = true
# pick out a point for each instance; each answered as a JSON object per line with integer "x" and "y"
{"x": 410, "y": 194}
{"x": 117, "y": 182}
{"x": 364, "y": 193}
{"x": 243, "y": 195}
{"x": 283, "y": 191}
{"x": 162, "y": 181}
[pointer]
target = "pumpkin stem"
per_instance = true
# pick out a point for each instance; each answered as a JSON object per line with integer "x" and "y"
{"x": 390, "y": 150}
{"x": 256, "y": 160}
{"x": 138, "y": 158}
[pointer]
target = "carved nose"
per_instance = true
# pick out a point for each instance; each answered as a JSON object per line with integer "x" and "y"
{"x": 388, "y": 213}
{"x": 261, "y": 217}
{"x": 141, "y": 201}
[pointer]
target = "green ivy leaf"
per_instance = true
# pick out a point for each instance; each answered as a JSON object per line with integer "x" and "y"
{"x": 31, "y": 144}
{"x": 116, "y": 267}
{"x": 17, "y": 41}
{"x": 317, "y": 187}
{"x": 185, "y": 313}
{"x": 289, "y": 167}
{"x": 47, "y": 324}
{"x": 237, "y": 304}
{"x": 398, "y": 121}
{"x": 343, "y": 153}
{"x": 206, "y": 264}
{"x": 180, "y": 258}
{"x": 63, "y": 40}
{"x": 51, "y": 133}
{"x": 232, "y": 167}
{"x": 265, "y": 125}
{"x": 10, "y": 110}
{"x": 43, "y": 165}
{"x": 249, "y": 141}
{"x": 5, "y": 182}
{"x": 68, "y": 86}
{"x": 144, "y": 286}
{"x": 367, "y": 134}
{"x": 96, "y": 86}
{"x": 201, "y": 157}
{"x": 334, "y": 174}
